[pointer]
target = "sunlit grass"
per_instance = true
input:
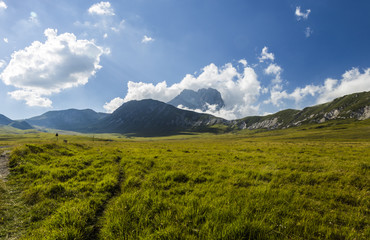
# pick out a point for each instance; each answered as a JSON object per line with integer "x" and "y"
{"x": 310, "y": 182}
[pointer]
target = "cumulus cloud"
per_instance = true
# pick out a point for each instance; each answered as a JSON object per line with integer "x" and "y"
{"x": 6, "y": 40}
{"x": 113, "y": 104}
{"x": 300, "y": 14}
{"x": 244, "y": 62}
{"x": 239, "y": 89}
{"x": 32, "y": 98}
{"x": 43, "y": 69}
{"x": 3, "y": 5}
{"x": 265, "y": 55}
{"x": 147, "y": 39}
{"x": 308, "y": 32}
{"x": 274, "y": 69}
{"x": 352, "y": 81}
{"x": 102, "y": 8}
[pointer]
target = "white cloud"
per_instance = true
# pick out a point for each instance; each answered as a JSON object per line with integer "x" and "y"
{"x": 102, "y": 8}
{"x": 32, "y": 98}
{"x": 3, "y": 5}
{"x": 33, "y": 18}
{"x": 308, "y": 32}
{"x": 113, "y": 104}
{"x": 2, "y": 63}
{"x": 244, "y": 62}
{"x": 6, "y": 40}
{"x": 239, "y": 89}
{"x": 105, "y": 35}
{"x": 42, "y": 69}
{"x": 147, "y": 39}
{"x": 274, "y": 69}
{"x": 118, "y": 26}
{"x": 265, "y": 55}
{"x": 352, "y": 81}
{"x": 300, "y": 14}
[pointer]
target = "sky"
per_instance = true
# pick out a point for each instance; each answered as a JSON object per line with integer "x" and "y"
{"x": 262, "y": 56}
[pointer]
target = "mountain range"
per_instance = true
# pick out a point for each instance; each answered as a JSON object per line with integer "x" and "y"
{"x": 150, "y": 117}
{"x": 21, "y": 124}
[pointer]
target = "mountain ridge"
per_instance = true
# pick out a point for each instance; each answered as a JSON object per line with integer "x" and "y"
{"x": 352, "y": 106}
{"x": 19, "y": 124}
{"x": 151, "y": 117}
{"x": 69, "y": 119}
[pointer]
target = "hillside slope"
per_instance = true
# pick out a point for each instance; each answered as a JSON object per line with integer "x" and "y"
{"x": 353, "y": 106}
{"x": 70, "y": 120}
{"x": 152, "y": 117}
{"x": 19, "y": 124}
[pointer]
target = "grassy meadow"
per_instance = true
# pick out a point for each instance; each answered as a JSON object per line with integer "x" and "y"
{"x": 310, "y": 182}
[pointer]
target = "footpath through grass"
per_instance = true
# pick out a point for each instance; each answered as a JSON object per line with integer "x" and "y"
{"x": 268, "y": 185}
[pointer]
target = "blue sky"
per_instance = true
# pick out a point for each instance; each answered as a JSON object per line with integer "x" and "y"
{"x": 263, "y": 56}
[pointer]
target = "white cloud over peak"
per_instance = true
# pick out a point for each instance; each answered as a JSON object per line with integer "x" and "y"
{"x": 300, "y": 14}
{"x": 102, "y": 8}
{"x": 3, "y": 5}
{"x": 265, "y": 55}
{"x": 239, "y": 90}
{"x": 113, "y": 104}
{"x": 352, "y": 81}
{"x": 42, "y": 69}
{"x": 147, "y": 39}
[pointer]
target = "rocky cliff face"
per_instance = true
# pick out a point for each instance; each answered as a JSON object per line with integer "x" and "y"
{"x": 203, "y": 99}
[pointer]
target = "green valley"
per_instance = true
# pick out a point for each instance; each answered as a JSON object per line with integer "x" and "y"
{"x": 308, "y": 182}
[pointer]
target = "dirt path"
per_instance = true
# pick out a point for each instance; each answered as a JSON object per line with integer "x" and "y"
{"x": 4, "y": 169}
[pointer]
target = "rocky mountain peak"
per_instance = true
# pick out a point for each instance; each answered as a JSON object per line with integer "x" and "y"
{"x": 202, "y": 99}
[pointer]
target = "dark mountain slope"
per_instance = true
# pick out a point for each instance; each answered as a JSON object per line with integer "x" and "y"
{"x": 151, "y": 117}
{"x": 70, "y": 120}
{"x": 23, "y": 125}
{"x": 5, "y": 120}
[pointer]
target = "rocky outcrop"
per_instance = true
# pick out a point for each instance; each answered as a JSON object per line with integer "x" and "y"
{"x": 203, "y": 99}
{"x": 267, "y": 124}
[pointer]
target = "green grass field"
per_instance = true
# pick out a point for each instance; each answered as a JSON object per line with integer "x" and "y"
{"x": 310, "y": 182}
